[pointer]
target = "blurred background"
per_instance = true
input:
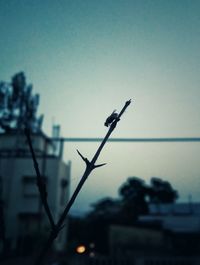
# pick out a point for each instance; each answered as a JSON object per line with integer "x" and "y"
{"x": 85, "y": 59}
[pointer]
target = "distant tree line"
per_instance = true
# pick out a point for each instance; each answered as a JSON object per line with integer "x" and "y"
{"x": 134, "y": 199}
{"x": 135, "y": 196}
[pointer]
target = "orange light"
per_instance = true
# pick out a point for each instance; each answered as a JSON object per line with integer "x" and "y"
{"x": 80, "y": 249}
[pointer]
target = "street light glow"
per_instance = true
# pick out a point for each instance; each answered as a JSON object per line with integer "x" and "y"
{"x": 80, "y": 249}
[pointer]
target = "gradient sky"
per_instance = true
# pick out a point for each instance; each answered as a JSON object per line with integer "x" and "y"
{"x": 87, "y": 57}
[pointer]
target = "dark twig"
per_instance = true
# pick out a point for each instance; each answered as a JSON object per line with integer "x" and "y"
{"x": 84, "y": 158}
{"x": 90, "y": 166}
{"x": 40, "y": 182}
{"x": 100, "y": 165}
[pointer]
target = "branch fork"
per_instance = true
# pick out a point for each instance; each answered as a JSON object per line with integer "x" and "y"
{"x": 90, "y": 166}
{"x": 88, "y": 163}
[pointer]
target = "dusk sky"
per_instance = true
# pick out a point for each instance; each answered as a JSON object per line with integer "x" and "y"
{"x": 87, "y": 57}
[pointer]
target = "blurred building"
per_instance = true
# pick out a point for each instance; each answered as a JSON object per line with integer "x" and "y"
{"x": 23, "y": 218}
{"x": 134, "y": 241}
{"x": 168, "y": 230}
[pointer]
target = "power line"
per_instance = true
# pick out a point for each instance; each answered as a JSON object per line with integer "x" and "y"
{"x": 166, "y": 139}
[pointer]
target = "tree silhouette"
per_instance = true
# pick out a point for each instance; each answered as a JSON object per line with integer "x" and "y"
{"x": 134, "y": 199}
{"x": 136, "y": 196}
{"x": 161, "y": 191}
{"x": 18, "y": 107}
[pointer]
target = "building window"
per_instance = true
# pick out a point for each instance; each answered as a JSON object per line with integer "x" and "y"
{"x": 29, "y": 187}
{"x": 28, "y": 222}
{"x": 64, "y": 184}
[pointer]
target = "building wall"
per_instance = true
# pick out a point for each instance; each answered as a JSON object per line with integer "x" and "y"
{"x": 132, "y": 240}
{"x": 22, "y": 204}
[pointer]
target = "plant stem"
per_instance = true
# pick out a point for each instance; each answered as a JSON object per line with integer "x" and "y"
{"x": 40, "y": 183}
{"x": 90, "y": 166}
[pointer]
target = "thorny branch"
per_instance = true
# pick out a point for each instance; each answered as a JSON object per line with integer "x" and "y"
{"x": 40, "y": 182}
{"x": 90, "y": 166}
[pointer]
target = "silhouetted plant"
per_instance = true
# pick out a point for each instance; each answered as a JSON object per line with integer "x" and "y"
{"x": 111, "y": 122}
{"x": 134, "y": 194}
{"x": 162, "y": 191}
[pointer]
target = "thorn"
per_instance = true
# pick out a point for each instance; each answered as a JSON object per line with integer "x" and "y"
{"x": 81, "y": 155}
{"x": 100, "y": 165}
{"x": 84, "y": 158}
